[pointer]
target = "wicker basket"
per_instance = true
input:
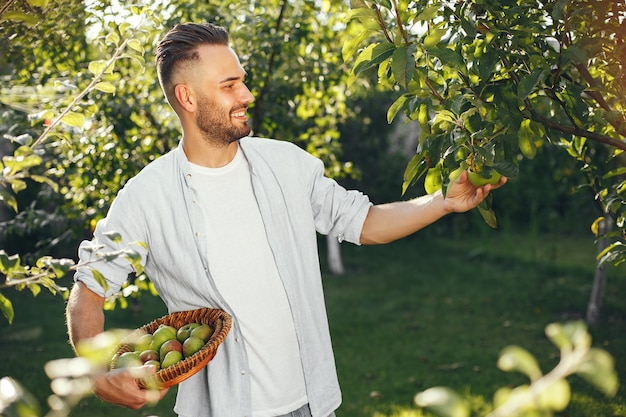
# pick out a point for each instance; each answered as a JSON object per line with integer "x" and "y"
{"x": 219, "y": 320}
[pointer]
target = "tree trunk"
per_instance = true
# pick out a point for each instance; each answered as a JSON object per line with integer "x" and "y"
{"x": 599, "y": 281}
{"x": 333, "y": 249}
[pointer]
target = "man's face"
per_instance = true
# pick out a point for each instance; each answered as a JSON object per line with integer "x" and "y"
{"x": 221, "y": 94}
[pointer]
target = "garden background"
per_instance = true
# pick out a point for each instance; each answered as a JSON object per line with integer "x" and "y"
{"x": 81, "y": 112}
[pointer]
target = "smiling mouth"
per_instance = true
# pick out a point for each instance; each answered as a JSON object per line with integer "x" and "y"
{"x": 239, "y": 114}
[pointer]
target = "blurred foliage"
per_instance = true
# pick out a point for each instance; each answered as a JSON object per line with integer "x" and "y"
{"x": 545, "y": 394}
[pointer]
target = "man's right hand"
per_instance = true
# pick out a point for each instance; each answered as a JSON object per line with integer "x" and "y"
{"x": 120, "y": 387}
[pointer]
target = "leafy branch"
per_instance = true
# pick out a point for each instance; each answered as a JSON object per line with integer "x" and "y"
{"x": 545, "y": 394}
{"x": 99, "y": 69}
{"x": 15, "y": 169}
{"x": 47, "y": 270}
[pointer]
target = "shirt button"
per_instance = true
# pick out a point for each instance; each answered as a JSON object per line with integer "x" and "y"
{"x": 197, "y": 234}
{"x": 243, "y": 372}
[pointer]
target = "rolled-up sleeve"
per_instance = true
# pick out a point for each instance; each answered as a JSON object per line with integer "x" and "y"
{"x": 338, "y": 212}
{"x": 115, "y": 238}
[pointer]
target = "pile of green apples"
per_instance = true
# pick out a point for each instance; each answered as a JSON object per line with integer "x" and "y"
{"x": 165, "y": 347}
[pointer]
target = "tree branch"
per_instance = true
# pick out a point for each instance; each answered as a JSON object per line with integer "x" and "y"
{"x": 405, "y": 36}
{"x": 576, "y": 131}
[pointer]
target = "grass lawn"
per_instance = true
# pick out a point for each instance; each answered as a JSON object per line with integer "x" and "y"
{"x": 422, "y": 312}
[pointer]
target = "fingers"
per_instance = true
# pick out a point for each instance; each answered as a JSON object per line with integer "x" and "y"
{"x": 120, "y": 387}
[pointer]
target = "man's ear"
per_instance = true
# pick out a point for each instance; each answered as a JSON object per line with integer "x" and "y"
{"x": 185, "y": 97}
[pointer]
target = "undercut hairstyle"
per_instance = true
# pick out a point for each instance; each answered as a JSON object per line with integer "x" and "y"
{"x": 180, "y": 45}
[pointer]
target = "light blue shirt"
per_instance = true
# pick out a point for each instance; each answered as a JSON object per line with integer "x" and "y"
{"x": 160, "y": 207}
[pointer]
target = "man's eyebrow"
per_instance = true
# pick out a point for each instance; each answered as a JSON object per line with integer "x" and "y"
{"x": 234, "y": 78}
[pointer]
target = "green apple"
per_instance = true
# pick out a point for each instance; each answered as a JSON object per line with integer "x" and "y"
{"x": 185, "y": 330}
{"x": 171, "y": 358}
{"x": 191, "y": 345}
{"x": 156, "y": 364}
{"x": 149, "y": 355}
{"x": 203, "y": 331}
{"x": 144, "y": 342}
{"x": 454, "y": 175}
{"x": 128, "y": 360}
{"x": 170, "y": 346}
{"x": 162, "y": 335}
{"x": 478, "y": 180}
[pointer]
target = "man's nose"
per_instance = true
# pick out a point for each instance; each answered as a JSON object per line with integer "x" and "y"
{"x": 246, "y": 95}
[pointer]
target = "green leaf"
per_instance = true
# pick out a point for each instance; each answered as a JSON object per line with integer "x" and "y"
{"x": 443, "y": 401}
{"x": 396, "y": 107}
{"x": 74, "y": 119}
{"x": 22, "y": 159}
{"x": 373, "y": 55}
{"x": 136, "y": 45}
{"x": 61, "y": 266}
{"x": 35, "y": 289}
{"x": 100, "y": 279}
{"x": 38, "y": 3}
{"x": 8, "y": 263}
{"x": 515, "y": 358}
{"x": 448, "y": 57}
{"x": 45, "y": 180}
{"x": 506, "y": 168}
{"x": 433, "y": 37}
{"x": 113, "y": 38}
{"x": 140, "y": 244}
{"x": 486, "y": 64}
{"x": 428, "y": 14}
{"x": 414, "y": 170}
{"x": 17, "y": 185}
{"x": 133, "y": 257}
{"x": 97, "y": 67}
{"x": 599, "y": 370}
{"x": 403, "y": 64}
{"x": 114, "y": 236}
{"x": 614, "y": 173}
{"x": 7, "y": 308}
{"x": 105, "y": 87}
{"x": 569, "y": 335}
{"x": 612, "y": 253}
{"x": 444, "y": 116}
{"x": 576, "y": 54}
{"x": 9, "y": 199}
{"x": 529, "y": 82}
{"x": 27, "y": 19}
{"x": 366, "y": 16}
{"x": 351, "y": 45}
{"x": 526, "y": 139}
{"x": 487, "y": 213}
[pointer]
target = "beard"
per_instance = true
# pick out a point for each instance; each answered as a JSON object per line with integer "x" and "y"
{"x": 216, "y": 125}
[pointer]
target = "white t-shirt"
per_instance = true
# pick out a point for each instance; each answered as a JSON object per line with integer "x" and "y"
{"x": 243, "y": 267}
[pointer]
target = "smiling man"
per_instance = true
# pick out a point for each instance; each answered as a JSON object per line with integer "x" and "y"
{"x": 231, "y": 222}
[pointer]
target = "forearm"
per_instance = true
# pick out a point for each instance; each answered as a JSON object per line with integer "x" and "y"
{"x": 388, "y": 222}
{"x": 84, "y": 314}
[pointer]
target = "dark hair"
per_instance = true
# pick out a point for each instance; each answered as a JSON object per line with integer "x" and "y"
{"x": 180, "y": 44}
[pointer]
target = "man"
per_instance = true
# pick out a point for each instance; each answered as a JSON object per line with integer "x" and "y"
{"x": 231, "y": 222}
